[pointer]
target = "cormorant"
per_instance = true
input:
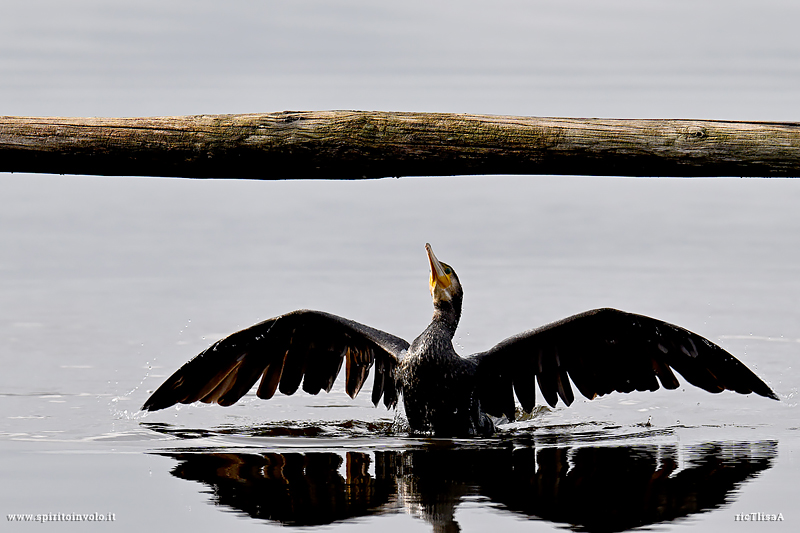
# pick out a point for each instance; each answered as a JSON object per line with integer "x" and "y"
{"x": 444, "y": 394}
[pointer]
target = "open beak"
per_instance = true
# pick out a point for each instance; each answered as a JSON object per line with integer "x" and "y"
{"x": 438, "y": 275}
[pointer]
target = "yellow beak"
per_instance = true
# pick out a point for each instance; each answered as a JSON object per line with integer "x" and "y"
{"x": 438, "y": 275}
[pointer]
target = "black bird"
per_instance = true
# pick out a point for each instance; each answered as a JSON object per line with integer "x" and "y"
{"x": 444, "y": 394}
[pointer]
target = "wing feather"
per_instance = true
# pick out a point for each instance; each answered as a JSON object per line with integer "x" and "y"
{"x": 247, "y": 373}
{"x": 322, "y": 368}
{"x": 523, "y": 369}
{"x": 294, "y": 367}
{"x": 602, "y": 351}
{"x": 303, "y": 346}
{"x": 546, "y": 376}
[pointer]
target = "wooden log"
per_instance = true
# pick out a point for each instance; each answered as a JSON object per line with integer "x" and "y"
{"x": 361, "y": 144}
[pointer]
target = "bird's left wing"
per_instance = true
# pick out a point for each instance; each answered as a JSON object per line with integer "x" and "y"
{"x": 601, "y": 351}
{"x": 307, "y": 346}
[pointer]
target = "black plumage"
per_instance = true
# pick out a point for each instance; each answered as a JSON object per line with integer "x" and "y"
{"x": 599, "y": 351}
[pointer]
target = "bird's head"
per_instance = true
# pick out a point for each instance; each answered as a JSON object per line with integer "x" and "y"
{"x": 445, "y": 287}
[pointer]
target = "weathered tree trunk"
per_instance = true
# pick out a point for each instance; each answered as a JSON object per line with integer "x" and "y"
{"x": 359, "y": 144}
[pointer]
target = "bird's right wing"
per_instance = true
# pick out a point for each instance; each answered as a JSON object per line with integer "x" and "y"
{"x": 307, "y": 346}
{"x": 602, "y": 351}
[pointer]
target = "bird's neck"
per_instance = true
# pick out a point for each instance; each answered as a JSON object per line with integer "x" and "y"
{"x": 447, "y": 316}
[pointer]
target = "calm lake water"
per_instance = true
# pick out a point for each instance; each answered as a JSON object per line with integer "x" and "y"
{"x": 107, "y": 285}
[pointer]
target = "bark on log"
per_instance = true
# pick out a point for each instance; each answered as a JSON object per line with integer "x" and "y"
{"x": 360, "y": 144}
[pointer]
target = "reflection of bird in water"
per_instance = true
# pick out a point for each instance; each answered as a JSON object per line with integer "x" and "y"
{"x": 601, "y": 351}
{"x": 594, "y": 488}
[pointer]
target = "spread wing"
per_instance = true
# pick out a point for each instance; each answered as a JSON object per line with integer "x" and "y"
{"x": 307, "y": 346}
{"x": 601, "y": 351}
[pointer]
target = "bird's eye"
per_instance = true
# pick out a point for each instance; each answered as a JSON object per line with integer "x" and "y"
{"x": 447, "y": 270}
